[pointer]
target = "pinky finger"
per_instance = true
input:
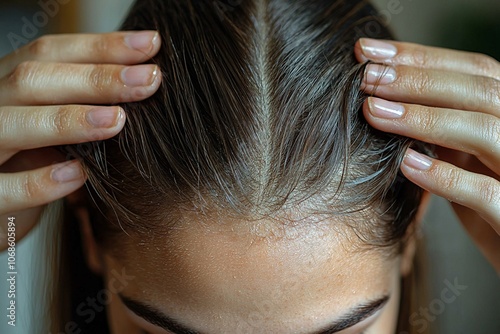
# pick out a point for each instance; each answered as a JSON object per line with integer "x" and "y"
{"x": 478, "y": 192}
{"x": 23, "y": 190}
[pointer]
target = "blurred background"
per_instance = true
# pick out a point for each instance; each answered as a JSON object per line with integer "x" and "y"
{"x": 460, "y": 24}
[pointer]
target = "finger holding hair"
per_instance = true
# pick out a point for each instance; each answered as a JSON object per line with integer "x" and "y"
{"x": 31, "y": 189}
{"x": 56, "y": 125}
{"x": 426, "y": 57}
{"x": 43, "y": 83}
{"x": 466, "y": 190}
{"x": 433, "y": 103}
{"x": 474, "y": 133}
{"x": 125, "y": 48}
{"x": 85, "y": 68}
{"x": 49, "y": 91}
{"x": 451, "y": 99}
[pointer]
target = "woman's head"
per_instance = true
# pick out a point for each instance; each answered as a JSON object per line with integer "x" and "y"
{"x": 249, "y": 194}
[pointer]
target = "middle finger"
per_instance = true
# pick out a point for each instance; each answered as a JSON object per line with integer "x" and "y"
{"x": 41, "y": 83}
{"x": 474, "y": 133}
{"x": 434, "y": 88}
{"x": 55, "y": 125}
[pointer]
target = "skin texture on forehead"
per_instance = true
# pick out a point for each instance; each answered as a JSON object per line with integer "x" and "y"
{"x": 215, "y": 278}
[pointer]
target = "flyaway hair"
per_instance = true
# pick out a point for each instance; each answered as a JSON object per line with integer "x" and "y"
{"x": 259, "y": 116}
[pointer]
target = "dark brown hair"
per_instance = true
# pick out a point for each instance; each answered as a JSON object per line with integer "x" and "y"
{"x": 258, "y": 116}
{"x": 259, "y": 112}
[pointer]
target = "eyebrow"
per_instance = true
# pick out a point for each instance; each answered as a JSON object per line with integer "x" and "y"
{"x": 354, "y": 316}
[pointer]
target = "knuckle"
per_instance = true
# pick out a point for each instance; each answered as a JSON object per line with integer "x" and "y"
{"x": 30, "y": 187}
{"x": 485, "y": 64}
{"x": 489, "y": 192}
{"x": 420, "y": 82}
{"x": 6, "y": 124}
{"x": 99, "y": 78}
{"x": 101, "y": 45}
{"x": 22, "y": 74}
{"x": 421, "y": 58}
{"x": 40, "y": 47}
{"x": 427, "y": 121}
{"x": 20, "y": 123}
{"x": 417, "y": 56}
{"x": 490, "y": 130}
{"x": 491, "y": 90}
{"x": 448, "y": 179}
{"x": 62, "y": 120}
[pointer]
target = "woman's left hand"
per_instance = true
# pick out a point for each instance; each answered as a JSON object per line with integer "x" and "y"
{"x": 451, "y": 99}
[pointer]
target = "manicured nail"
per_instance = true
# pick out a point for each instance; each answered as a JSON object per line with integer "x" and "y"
{"x": 143, "y": 41}
{"x": 376, "y": 49}
{"x": 379, "y": 74}
{"x": 140, "y": 75}
{"x": 416, "y": 160}
{"x": 66, "y": 173}
{"x": 385, "y": 109}
{"x": 104, "y": 117}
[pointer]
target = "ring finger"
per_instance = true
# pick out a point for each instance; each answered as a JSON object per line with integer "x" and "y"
{"x": 27, "y": 189}
{"x": 124, "y": 48}
{"x": 473, "y": 133}
{"x": 41, "y": 83}
{"x": 432, "y": 87}
{"x": 478, "y": 192}
{"x": 55, "y": 125}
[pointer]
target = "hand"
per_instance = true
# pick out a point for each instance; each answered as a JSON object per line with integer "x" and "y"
{"x": 48, "y": 92}
{"x": 451, "y": 99}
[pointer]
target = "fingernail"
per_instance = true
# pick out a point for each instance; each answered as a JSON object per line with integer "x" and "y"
{"x": 103, "y": 117}
{"x": 375, "y": 49}
{"x": 385, "y": 109}
{"x": 416, "y": 160}
{"x": 66, "y": 173}
{"x": 140, "y": 75}
{"x": 143, "y": 41}
{"x": 379, "y": 74}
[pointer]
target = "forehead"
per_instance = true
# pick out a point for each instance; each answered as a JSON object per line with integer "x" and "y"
{"x": 209, "y": 272}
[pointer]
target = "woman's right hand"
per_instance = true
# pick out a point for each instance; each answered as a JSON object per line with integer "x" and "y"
{"x": 49, "y": 91}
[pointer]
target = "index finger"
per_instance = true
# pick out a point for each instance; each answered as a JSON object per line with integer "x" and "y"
{"x": 428, "y": 57}
{"x": 124, "y": 48}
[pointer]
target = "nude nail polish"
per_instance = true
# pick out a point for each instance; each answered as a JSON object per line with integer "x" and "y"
{"x": 379, "y": 75}
{"x": 377, "y": 49}
{"x": 143, "y": 41}
{"x": 385, "y": 109}
{"x": 140, "y": 75}
{"x": 67, "y": 173}
{"x": 417, "y": 161}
